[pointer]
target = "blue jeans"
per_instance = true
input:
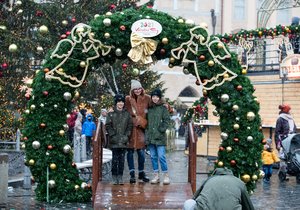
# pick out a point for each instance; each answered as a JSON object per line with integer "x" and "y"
{"x": 158, "y": 152}
{"x": 268, "y": 171}
{"x": 141, "y": 159}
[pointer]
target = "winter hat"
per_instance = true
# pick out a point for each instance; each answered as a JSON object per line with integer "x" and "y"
{"x": 285, "y": 108}
{"x": 119, "y": 97}
{"x": 135, "y": 84}
{"x": 156, "y": 92}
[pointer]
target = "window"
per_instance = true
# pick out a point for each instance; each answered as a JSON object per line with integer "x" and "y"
{"x": 239, "y": 9}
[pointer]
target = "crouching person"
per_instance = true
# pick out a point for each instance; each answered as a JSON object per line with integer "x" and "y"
{"x": 118, "y": 126}
{"x": 222, "y": 191}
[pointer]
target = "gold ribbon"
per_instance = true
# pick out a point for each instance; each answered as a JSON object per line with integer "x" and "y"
{"x": 142, "y": 49}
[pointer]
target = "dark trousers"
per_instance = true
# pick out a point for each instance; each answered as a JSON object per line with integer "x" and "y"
{"x": 88, "y": 140}
{"x": 141, "y": 159}
{"x": 268, "y": 171}
{"x": 118, "y": 159}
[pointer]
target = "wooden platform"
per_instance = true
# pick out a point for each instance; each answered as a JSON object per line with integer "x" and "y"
{"x": 141, "y": 196}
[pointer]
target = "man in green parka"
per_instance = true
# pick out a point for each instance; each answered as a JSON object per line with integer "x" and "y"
{"x": 222, "y": 191}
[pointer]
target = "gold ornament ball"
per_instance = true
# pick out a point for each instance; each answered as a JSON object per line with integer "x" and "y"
{"x": 61, "y": 132}
{"x": 250, "y": 116}
{"x": 211, "y": 63}
{"x": 66, "y": 127}
{"x": 215, "y": 113}
{"x": 43, "y": 29}
{"x": 32, "y": 107}
{"x": 235, "y": 107}
{"x": 77, "y": 94}
{"x": 204, "y": 92}
{"x": 220, "y": 45}
{"x": 106, "y": 35}
{"x": 220, "y": 164}
{"x": 244, "y": 71}
{"x": 236, "y": 126}
{"x": 31, "y": 162}
{"x": 61, "y": 70}
{"x": 76, "y": 187}
{"x": 82, "y": 64}
{"x": 246, "y": 178}
{"x": 135, "y": 72}
{"x": 165, "y": 40}
{"x": 23, "y": 146}
{"x": 64, "y": 22}
{"x": 27, "y": 111}
{"x": 254, "y": 177}
{"x": 180, "y": 20}
{"x": 228, "y": 149}
{"x": 79, "y": 30}
{"x": 226, "y": 76}
{"x": 52, "y": 166}
{"x": 171, "y": 60}
{"x": 108, "y": 14}
{"x": 12, "y": 48}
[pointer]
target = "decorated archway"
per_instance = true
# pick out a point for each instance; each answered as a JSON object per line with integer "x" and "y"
{"x": 138, "y": 38}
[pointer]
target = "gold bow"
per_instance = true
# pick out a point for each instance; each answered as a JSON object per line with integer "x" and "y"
{"x": 142, "y": 49}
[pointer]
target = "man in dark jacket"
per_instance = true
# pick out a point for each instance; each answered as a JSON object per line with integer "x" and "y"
{"x": 222, "y": 191}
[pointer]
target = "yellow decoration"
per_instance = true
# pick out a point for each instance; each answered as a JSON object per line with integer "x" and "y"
{"x": 254, "y": 177}
{"x": 76, "y": 187}
{"x": 187, "y": 50}
{"x": 211, "y": 63}
{"x": 244, "y": 71}
{"x": 31, "y": 162}
{"x": 53, "y": 166}
{"x": 220, "y": 45}
{"x": 106, "y": 35}
{"x": 226, "y": 76}
{"x": 165, "y": 40}
{"x": 89, "y": 44}
{"x": 250, "y": 116}
{"x": 220, "y": 164}
{"x": 142, "y": 49}
{"x": 82, "y": 64}
{"x": 171, "y": 60}
{"x": 246, "y": 178}
{"x": 236, "y": 126}
{"x": 61, "y": 132}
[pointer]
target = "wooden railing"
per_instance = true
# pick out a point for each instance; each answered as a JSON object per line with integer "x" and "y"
{"x": 97, "y": 158}
{"x": 192, "y": 160}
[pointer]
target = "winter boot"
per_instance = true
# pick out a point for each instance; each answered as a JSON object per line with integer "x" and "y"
{"x": 166, "y": 179}
{"x": 155, "y": 180}
{"x": 114, "y": 179}
{"x": 120, "y": 179}
{"x": 143, "y": 177}
{"x": 132, "y": 177}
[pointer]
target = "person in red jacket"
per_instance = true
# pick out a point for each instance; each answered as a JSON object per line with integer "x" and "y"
{"x": 71, "y": 123}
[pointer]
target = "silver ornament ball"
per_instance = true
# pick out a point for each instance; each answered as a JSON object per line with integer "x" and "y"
{"x": 51, "y": 183}
{"x": 225, "y": 98}
{"x": 67, "y": 148}
{"x": 67, "y": 96}
{"x": 36, "y": 144}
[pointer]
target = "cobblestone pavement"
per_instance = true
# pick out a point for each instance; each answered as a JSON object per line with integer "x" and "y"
{"x": 273, "y": 196}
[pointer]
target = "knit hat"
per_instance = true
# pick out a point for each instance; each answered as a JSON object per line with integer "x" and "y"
{"x": 285, "y": 108}
{"x": 119, "y": 97}
{"x": 156, "y": 92}
{"x": 135, "y": 84}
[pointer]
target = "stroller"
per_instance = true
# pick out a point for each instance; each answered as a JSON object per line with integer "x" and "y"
{"x": 290, "y": 158}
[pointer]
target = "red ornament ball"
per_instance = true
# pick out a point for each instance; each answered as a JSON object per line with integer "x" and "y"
{"x": 221, "y": 148}
{"x": 45, "y": 93}
{"x": 122, "y": 28}
{"x": 239, "y": 87}
{"x": 197, "y": 82}
{"x": 236, "y": 139}
{"x": 73, "y": 19}
{"x": 232, "y": 163}
{"x": 68, "y": 33}
{"x": 39, "y": 13}
{"x": 162, "y": 51}
{"x": 63, "y": 36}
{"x": 4, "y": 66}
{"x": 50, "y": 147}
{"x": 124, "y": 66}
{"x": 202, "y": 58}
{"x": 112, "y": 7}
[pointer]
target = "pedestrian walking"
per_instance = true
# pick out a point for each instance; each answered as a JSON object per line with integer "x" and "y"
{"x": 88, "y": 130}
{"x": 119, "y": 126}
{"x": 156, "y": 139}
{"x": 79, "y": 145}
{"x": 71, "y": 123}
{"x": 268, "y": 159}
{"x": 137, "y": 103}
{"x": 221, "y": 191}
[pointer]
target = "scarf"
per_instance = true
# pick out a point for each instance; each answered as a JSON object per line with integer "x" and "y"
{"x": 290, "y": 120}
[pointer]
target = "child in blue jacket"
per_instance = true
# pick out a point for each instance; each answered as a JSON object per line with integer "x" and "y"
{"x": 88, "y": 130}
